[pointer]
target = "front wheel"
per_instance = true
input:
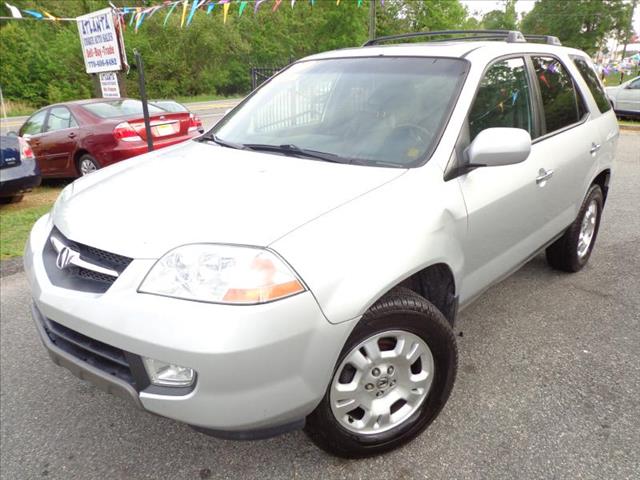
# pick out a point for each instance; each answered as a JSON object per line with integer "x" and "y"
{"x": 393, "y": 376}
{"x": 87, "y": 164}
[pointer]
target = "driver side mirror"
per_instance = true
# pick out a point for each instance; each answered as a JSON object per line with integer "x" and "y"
{"x": 495, "y": 147}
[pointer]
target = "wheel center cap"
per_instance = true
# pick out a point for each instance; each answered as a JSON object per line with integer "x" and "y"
{"x": 383, "y": 383}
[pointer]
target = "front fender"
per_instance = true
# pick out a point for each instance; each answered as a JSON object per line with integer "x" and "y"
{"x": 354, "y": 254}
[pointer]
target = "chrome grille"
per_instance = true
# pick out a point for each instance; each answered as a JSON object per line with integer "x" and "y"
{"x": 81, "y": 267}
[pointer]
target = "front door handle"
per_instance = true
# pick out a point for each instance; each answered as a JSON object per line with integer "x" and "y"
{"x": 543, "y": 177}
{"x": 594, "y": 148}
{"x": 72, "y": 135}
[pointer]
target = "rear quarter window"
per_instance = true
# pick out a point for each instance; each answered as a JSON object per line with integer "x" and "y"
{"x": 591, "y": 79}
{"x": 563, "y": 105}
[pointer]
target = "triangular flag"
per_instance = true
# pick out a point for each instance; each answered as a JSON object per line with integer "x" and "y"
{"x": 293, "y": 2}
{"x": 15, "y": 13}
{"x": 276, "y": 5}
{"x": 154, "y": 10}
{"x": 49, "y": 16}
{"x": 133, "y": 16}
{"x": 225, "y": 12}
{"x": 173, "y": 7}
{"x": 359, "y": 3}
{"x": 258, "y": 3}
{"x": 210, "y": 7}
{"x": 139, "y": 21}
{"x": 242, "y": 5}
{"x": 194, "y": 6}
{"x": 33, "y": 13}
{"x": 337, "y": 2}
{"x": 185, "y": 4}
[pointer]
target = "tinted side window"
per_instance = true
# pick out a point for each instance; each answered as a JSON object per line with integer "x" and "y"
{"x": 33, "y": 125}
{"x": 60, "y": 118}
{"x": 562, "y": 104}
{"x": 595, "y": 87}
{"x": 635, "y": 85}
{"x": 503, "y": 98}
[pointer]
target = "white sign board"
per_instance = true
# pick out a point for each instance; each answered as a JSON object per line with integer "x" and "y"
{"x": 109, "y": 85}
{"x": 99, "y": 41}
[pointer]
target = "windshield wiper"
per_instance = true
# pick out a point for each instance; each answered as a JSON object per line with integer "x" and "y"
{"x": 212, "y": 137}
{"x": 297, "y": 151}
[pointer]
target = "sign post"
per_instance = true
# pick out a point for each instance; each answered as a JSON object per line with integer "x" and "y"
{"x": 143, "y": 98}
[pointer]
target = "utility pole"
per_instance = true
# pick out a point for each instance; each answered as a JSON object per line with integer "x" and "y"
{"x": 629, "y": 28}
{"x": 372, "y": 19}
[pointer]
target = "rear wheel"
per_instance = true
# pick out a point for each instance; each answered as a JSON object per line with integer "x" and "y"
{"x": 87, "y": 164}
{"x": 394, "y": 375}
{"x": 571, "y": 252}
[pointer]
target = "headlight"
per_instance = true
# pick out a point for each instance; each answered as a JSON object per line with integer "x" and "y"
{"x": 221, "y": 274}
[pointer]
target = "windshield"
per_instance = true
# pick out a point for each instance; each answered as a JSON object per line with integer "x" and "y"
{"x": 119, "y": 108}
{"x": 386, "y": 111}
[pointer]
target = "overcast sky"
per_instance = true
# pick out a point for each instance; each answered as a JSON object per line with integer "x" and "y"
{"x": 522, "y": 6}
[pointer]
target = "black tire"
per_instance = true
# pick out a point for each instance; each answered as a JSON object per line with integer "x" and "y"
{"x": 401, "y": 309}
{"x": 86, "y": 159}
{"x": 563, "y": 253}
{"x": 12, "y": 199}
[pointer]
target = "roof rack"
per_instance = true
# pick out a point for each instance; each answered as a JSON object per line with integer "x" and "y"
{"x": 510, "y": 36}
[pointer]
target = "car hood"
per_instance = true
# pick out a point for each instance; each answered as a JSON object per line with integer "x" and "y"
{"x": 196, "y": 193}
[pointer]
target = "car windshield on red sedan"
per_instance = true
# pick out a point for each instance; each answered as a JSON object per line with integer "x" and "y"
{"x": 381, "y": 111}
{"x": 119, "y": 108}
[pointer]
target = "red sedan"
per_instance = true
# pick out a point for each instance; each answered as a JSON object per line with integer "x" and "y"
{"x": 76, "y": 138}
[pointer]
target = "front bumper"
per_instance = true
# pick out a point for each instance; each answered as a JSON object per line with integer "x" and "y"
{"x": 258, "y": 367}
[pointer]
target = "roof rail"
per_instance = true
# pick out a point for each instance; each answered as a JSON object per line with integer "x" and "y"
{"x": 549, "y": 39}
{"x": 510, "y": 36}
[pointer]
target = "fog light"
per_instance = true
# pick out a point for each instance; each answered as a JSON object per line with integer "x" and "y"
{"x": 167, "y": 374}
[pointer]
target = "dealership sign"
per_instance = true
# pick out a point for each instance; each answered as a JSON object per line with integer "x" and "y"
{"x": 99, "y": 41}
{"x": 109, "y": 85}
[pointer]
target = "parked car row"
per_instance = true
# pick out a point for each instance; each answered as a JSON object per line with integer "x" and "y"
{"x": 76, "y": 138}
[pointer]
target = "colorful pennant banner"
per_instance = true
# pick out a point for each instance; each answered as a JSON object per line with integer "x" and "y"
{"x": 187, "y": 11}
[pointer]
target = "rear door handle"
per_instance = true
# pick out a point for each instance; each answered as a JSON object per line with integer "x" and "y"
{"x": 543, "y": 177}
{"x": 594, "y": 147}
{"x": 72, "y": 135}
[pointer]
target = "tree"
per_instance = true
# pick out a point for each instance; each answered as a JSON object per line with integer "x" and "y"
{"x": 501, "y": 20}
{"x": 583, "y": 24}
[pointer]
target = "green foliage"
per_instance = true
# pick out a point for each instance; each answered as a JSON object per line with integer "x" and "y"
{"x": 41, "y": 62}
{"x": 501, "y": 20}
{"x": 583, "y": 24}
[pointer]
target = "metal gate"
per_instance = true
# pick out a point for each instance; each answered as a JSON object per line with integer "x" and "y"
{"x": 260, "y": 74}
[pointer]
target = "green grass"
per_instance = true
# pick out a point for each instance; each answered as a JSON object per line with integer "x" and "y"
{"x": 16, "y": 219}
{"x": 17, "y": 108}
{"x": 629, "y": 123}
{"x": 613, "y": 79}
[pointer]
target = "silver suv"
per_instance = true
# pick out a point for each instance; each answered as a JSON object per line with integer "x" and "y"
{"x": 302, "y": 263}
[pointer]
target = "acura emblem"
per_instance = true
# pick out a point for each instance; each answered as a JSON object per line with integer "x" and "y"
{"x": 65, "y": 257}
